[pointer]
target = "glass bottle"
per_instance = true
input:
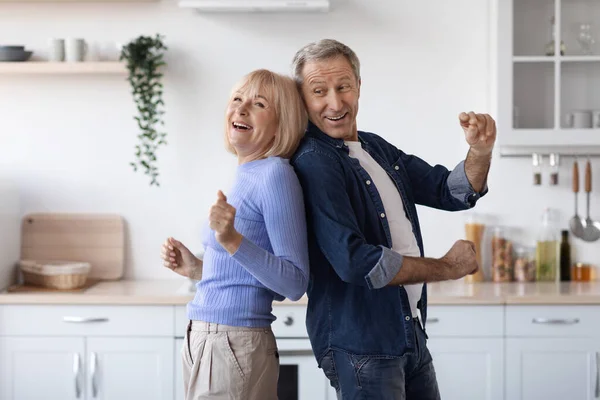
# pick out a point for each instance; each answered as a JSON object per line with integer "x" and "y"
{"x": 546, "y": 254}
{"x": 550, "y": 46}
{"x": 565, "y": 257}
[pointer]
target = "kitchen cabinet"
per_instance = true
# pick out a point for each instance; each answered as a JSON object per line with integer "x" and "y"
{"x": 470, "y": 337}
{"x": 537, "y": 84}
{"x": 40, "y": 368}
{"x": 552, "y": 352}
{"x": 469, "y": 368}
{"x": 552, "y": 368}
{"x": 86, "y": 352}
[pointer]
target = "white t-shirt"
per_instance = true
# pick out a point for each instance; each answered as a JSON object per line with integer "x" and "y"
{"x": 403, "y": 238}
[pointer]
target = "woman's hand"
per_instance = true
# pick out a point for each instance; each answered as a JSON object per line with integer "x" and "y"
{"x": 221, "y": 219}
{"x": 180, "y": 259}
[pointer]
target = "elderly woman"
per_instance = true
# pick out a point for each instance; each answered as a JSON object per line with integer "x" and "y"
{"x": 255, "y": 249}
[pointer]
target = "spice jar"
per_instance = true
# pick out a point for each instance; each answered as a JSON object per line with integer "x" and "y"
{"x": 524, "y": 264}
{"x": 537, "y": 168}
{"x": 501, "y": 257}
{"x": 581, "y": 272}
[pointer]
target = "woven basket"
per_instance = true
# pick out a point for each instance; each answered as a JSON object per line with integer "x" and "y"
{"x": 62, "y": 275}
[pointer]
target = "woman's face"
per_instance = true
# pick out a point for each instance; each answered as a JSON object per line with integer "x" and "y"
{"x": 252, "y": 124}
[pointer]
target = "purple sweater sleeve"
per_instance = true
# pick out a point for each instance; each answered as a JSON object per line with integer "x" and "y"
{"x": 285, "y": 271}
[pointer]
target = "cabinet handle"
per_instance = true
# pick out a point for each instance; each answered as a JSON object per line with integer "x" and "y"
{"x": 83, "y": 320}
{"x": 76, "y": 372}
{"x": 555, "y": 321}
{"x": 597, "y": 392}
{"x": 93, "y": 370}
{"x": 433, "y": 320}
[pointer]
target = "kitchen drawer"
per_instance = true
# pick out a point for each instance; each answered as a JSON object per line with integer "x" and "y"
{"x": 553, "y": 321}
{"x": 290, "y": 322}
{"x": 79, "y": 320}
{"x": 465, "y": 321}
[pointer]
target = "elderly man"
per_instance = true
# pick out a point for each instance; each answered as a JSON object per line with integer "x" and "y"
{"x": 367, "y": 298}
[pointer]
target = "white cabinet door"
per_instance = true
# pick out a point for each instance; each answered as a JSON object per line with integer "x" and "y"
{"x": 468, "y": 368}
{"x": 551, "y": 369}
{"x": 41, "y": 368}
{"x": 130, "y": 368}
{"x": 178, "y": 369}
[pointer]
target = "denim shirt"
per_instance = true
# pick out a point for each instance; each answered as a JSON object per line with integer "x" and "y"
{"x": 350, "y": 308}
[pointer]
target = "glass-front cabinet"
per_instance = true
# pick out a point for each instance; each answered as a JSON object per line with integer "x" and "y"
{"x": 547, "y": 70}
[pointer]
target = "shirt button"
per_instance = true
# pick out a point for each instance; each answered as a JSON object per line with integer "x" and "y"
{"x": 396, "y": 168}
{"x": 368, "y": 182}
{"x": 407, "y": 318}
{"x": 382, "y": 215}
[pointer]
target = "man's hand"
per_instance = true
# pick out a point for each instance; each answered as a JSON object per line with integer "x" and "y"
{"x": 480, "y": 132}
{"x": 460, "y": 260}
{"x": 221, "y": 218}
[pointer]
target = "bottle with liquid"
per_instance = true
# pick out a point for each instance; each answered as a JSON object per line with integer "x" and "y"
{"x": 546, "y": 254}
{"x": 565, "y": 257}
{"x": 550, "y": 46}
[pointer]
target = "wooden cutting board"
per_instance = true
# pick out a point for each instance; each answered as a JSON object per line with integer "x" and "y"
{"x": 95, "y": 238}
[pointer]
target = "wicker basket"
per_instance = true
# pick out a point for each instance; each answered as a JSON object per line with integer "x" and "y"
{"x": 62, "y": 275}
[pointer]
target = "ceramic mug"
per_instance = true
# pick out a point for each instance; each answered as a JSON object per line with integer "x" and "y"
{"x": 75, "y": 49}
{"x": 581, "y": 119}
{"x": 56, "y": 50}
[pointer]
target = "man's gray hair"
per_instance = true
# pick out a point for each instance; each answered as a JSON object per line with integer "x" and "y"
{"x": 324, "y": 49}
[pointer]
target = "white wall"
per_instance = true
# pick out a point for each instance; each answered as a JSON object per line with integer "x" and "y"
{"x": 68, "y": 140}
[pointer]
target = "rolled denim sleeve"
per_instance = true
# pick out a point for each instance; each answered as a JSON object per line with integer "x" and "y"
{"x": 460, "y": 187}
{"x": 385, "y": 270}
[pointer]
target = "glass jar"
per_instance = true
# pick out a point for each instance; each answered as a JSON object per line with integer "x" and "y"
{"x": 581, "y": 272}
{"x": 474, "y": 230}
{"x": 501, "y": 256}
{"x": 524, "y": 269}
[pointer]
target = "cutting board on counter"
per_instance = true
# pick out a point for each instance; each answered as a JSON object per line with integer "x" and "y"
{"x": 95, "y": 238}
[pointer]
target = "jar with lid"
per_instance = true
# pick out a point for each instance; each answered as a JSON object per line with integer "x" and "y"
{"x": 474, "y": 230}
{"x": 524, "y": 264}
{"x": 501, "y": 256}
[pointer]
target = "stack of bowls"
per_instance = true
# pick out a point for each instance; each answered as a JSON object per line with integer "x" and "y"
{"x": 14, "y": 54}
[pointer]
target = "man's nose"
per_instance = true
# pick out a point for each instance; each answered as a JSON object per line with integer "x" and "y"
{"x": 334, "y": 101}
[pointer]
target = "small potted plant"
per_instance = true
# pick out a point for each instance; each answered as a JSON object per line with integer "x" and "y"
{"x": 144, "y": 59}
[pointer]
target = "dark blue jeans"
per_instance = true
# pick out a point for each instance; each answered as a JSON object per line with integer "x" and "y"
{"x": 410, "y": 377}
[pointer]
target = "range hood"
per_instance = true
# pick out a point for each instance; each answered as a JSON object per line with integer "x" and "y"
{"x": 229, "y": 6}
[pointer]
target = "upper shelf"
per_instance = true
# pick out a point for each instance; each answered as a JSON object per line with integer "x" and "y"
{"x": 67, "y": 68}
{"x": 542, "y": 59}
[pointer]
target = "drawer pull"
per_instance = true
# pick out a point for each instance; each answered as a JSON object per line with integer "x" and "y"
{"x": 289, "y": 321}
{"x": 82, "y": 320}
{"x": 76, "y": 373}
{"x": 555, "y": 321}
{"x": 433, "y": 320}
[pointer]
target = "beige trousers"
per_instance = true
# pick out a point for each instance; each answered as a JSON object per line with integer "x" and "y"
{"x": 229, "y": 362}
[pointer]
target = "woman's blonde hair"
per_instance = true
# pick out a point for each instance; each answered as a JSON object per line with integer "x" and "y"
{"x": 282, "y": 92}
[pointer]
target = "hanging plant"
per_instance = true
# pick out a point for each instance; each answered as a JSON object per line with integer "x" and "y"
{"x": 144, "y": 57}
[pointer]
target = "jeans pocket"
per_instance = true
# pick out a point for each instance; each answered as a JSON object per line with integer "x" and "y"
{"x": 328, "y": 366}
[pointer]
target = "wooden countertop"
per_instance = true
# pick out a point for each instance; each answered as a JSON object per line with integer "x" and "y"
{"x": 175, "y": 292}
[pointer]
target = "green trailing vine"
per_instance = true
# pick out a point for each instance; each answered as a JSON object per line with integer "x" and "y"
{"x": 144, "y": 58}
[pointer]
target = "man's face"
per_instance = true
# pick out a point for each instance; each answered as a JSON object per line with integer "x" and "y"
{"x": 331, "y": 93}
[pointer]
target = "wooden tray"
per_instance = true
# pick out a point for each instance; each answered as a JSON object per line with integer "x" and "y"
{"x": 22, "y": 288}
{"x": 95, "y": 238}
